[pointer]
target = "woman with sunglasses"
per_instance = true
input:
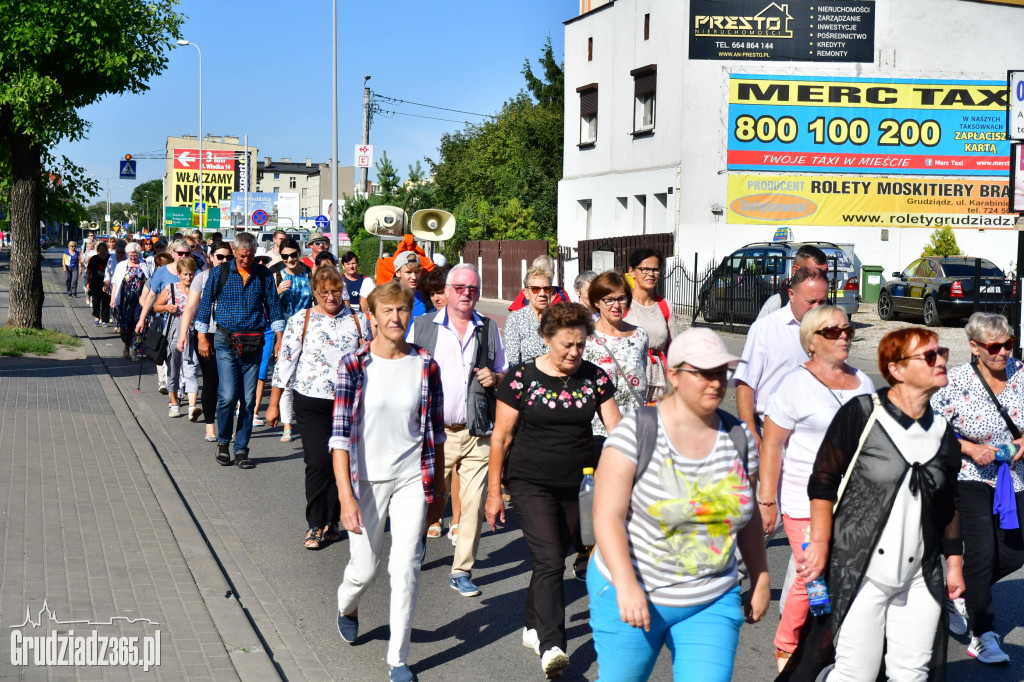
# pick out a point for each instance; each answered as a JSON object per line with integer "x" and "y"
{"x": 652, "y": 312}
{"x": 798, "y": 413}
{"x": 672, "y": 503}
{"x": 208, "y": 398}
{"x": 523, "y": 341}
{"x": 883, "y": 512}
{"x": 993, "y": 543}
{"x": 292, "y": 277}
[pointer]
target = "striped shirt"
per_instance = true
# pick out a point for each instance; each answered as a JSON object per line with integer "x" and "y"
{"x": 684, "y": 516}
{"x": 347, "y": 431}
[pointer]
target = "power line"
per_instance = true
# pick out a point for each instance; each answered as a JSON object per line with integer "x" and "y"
{"x": 386, "y": 112}
{"x": 431, "y": 106}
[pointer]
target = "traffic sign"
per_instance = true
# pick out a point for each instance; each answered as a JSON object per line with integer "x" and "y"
{"x": 260, "y": 217}
{"x": 198, "y": 207}
{"x": 322, "y": 222}
{"x": 364, "y": 156}
{"x": 127, "y": 169}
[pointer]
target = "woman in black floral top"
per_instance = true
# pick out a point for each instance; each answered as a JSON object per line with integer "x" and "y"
{"x": 552, "y": 400}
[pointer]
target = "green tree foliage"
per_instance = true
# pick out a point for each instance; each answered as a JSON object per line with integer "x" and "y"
{"x": 943, "y": 243}
{"x": 148, "y": 211}
{"x": 387, "y": 176}
{"x": 56, "y": 57}
{"x": 515, "y": 156}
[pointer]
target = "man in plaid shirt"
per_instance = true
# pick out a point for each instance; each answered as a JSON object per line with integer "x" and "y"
{"x": 388, "y": 446}
{"x": 247, "y": 303}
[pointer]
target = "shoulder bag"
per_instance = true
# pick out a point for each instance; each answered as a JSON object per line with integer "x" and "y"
{"x": 156, "y": 335}
{"x": 999, "y": 406}
{"x": 618, "y": 368}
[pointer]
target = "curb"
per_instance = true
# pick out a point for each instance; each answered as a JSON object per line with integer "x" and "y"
{"x": 241, "y": 640}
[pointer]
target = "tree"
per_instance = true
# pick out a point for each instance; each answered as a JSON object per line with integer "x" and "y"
{"x": 147, "y": 198}
{"x": 56, "y": 57}
{"x": 387, "y": 176}
{"x": 943, "y": 243}
{"x": 517, "y": 155}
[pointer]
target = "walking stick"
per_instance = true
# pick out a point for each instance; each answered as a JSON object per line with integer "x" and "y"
{"x": 142, "y": 360}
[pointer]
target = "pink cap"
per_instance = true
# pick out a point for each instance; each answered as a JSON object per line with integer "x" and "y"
{"x": 701, "y": 348}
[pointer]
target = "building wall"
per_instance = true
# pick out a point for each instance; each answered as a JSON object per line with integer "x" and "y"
{"x": 919, "y": 39}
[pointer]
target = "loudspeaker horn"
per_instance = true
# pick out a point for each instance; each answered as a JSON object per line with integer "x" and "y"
{"x": 385, "y": 221}
{"x": 432, "y": 225}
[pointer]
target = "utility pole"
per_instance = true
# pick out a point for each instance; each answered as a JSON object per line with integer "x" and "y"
{"x": 364, "y": 172}
{"x": 334, "y": 134}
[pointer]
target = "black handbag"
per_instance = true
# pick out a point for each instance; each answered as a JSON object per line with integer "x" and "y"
{"x": 246, "y": 345}
{"x": 156, "y": 336}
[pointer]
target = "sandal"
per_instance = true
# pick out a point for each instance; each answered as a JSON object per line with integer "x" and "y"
{"x": 314, "y": 536}
{"x": 331, "y": 533}
{"x": 242, "y": 461}
{"x": 286, "y": 437}
{"x": 434, "y": 530}
{"x": 453, "y": 533}
{"x": 782, "y": 658}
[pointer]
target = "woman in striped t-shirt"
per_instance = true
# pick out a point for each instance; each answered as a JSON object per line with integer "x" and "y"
{"x": 666, "y": 566}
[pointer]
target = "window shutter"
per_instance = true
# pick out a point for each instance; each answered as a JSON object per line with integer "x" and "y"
{"x": 588, "y": 102}
{"x": 645, "y": 83}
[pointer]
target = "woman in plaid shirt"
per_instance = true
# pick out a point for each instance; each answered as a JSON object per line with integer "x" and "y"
{"x": 388, "y": 452}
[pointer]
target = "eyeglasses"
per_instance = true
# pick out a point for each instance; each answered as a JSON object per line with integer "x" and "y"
{"x": 466, "y": 288}
{"x": 290, "y": 255}
{"x": 833, "y": 333}
{"x": 537, "y": 290}
{"x": 331, "y": 294}
{"x": 183, "y": 253}
{"x": 928, "y": 356}
{"x": 649, "y": 271}
{"x": 221, "y": 256}
{"x": 993, "y": 348}
{"x": 609, "y": 302}
{"x": 722, "y": 374}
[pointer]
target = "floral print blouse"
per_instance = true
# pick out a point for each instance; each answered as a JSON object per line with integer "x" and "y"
{"x": 523, "y": 341}
{"x": 311, "y": 368}
{"x": 631, "y": 353}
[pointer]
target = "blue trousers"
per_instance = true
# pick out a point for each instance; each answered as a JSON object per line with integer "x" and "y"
{"x": 237, "y": 384}
{"x": 702, "y": 639}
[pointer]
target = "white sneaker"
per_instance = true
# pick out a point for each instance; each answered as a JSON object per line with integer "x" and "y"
{"x": 162, "y": 388}
{"x": 173, "y": 411}
{"x": 553, "y": 662}
{"x": 194, "y": 412}
{"x": 531, "y": 641}
{"x": 957, "y": 609}
{"x": 986, "y": 649}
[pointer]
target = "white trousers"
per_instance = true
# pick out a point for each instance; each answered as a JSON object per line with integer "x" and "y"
{"x": 904, "y": 617}
{"x": 405, "y": 502}
{"x": 287, "y": 406}
{"x": 161, "y": 373}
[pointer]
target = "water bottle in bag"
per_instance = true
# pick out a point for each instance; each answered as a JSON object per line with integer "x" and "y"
{"x": 587, "y": 507}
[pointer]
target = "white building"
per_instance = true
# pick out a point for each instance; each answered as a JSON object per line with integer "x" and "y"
{"x": 870, "y": 153}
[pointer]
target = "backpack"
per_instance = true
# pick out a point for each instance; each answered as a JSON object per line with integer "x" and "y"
{"x": 647, "y": 437}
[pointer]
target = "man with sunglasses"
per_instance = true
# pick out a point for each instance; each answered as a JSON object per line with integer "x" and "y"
{"x": 168, "y": 274}
{"x": 470, "y": 354}
{"x": 317, "y": 245}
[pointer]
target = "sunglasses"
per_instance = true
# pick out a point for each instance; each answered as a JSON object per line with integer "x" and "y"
{"x": 928, "y": 356}
{"x": 709, "y": 375}
{"x": 993, "y": 348}
{"x": 537, "y": 290}
{"x": 465, "y": 288}
{"x": 290, "y": 255}
{"x": 833, "y": 333}
{"x": 221, "y": 256}
{"x": 183, "y": 253}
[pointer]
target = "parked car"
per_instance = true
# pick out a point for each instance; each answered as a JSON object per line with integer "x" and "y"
{"x": 751, "y": 274}
{"x": 941, "y": 289}
{"x": 266, "y": 238}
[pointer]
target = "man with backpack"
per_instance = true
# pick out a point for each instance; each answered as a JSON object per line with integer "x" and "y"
{"x": 470, "y": 354}
{"x": 246, "y": 300}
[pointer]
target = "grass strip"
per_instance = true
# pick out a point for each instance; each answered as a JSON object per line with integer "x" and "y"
{"x": 16, "y": 341}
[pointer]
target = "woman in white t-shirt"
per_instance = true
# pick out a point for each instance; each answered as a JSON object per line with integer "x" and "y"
{"x": 799, "y": 411}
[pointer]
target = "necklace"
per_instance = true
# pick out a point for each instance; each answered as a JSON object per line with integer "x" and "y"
{"x": 565, "y": 380}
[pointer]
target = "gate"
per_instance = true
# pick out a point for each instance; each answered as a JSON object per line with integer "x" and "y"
{"x": 623, "y": 246}
{"x": 510, "y": 254}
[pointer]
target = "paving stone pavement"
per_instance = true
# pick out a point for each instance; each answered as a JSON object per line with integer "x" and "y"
{"x": 94, "y": 532}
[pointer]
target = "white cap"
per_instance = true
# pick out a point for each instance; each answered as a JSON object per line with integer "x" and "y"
{"x": 701, "y": 348}
{"x": 406, "y": 258}
{"x": 439, "y": 260}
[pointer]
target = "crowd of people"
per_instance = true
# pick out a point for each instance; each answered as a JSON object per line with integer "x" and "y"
{"x": 406, "y": 398}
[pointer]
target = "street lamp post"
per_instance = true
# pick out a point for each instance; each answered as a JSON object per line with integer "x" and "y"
{"x": 202, "y": 199}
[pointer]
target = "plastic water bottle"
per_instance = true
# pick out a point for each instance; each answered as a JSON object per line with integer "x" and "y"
{"x": 817, "y": 590}
{"x": 587, "y": 508}
{"x": 1006, "y": 452}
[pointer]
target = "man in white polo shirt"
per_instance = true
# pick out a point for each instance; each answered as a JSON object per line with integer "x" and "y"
{"x": 471, "y": 356}
{"x": 773, "y": 348}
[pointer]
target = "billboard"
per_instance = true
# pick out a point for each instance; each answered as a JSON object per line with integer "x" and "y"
{"x": 258, "y": 201}
{"x": 860, "y": 201}
{"x": 288, "y": 209}
{"x": 867, "y": 125}
{"x": 797, "y": 30}
{"x": 220, "y": 178}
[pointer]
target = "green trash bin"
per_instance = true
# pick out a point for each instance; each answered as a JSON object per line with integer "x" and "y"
{"x": 871, "y": 282}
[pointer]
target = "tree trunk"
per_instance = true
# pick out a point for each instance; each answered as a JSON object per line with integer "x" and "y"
{"x": 26, "y": 300}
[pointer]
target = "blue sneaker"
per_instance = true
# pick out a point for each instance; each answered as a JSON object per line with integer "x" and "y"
{"x": 464, "y": 586}
{"x": 348, "y": 628}
{"x": 401, "y": 673}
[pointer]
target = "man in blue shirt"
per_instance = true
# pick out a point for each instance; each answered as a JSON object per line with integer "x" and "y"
{"x": 246, "y": 301}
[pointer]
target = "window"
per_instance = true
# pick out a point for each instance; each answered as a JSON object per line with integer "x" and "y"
{"x": 640, "y": 214}
{"x": 304, "y": 213}
{"x": 291, "y": 182}
{"x": 621, "y": 215}
{"x": 647, "y": 27}
{"x": 305, "y": 190}
{"x": 645, "y": 85}
{"x": 277, "y": 176}
{"x": 277, "y": 189}
{"x": 588, "y": 114}
{"x": 584, "y": 213}
{"x": 590, "y": 49}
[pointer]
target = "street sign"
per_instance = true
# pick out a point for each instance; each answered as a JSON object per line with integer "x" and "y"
{"x": 364, "y": 156}
{"x": 322, "y": 222}
{"x": 213, "y": 159}
{"x": 260, "y": 217}
{"x": 198, "y": 207}
{"x": 127, "y": 169}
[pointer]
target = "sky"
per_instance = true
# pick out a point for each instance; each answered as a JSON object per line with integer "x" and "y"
{"x": 267, "y": 74}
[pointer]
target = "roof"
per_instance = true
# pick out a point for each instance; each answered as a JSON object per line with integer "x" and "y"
{"x": 590, "y": 13}
{"x": 294, "y": 168}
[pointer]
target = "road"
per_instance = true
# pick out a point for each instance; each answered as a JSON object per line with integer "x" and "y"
{"x": 253, "y": 523}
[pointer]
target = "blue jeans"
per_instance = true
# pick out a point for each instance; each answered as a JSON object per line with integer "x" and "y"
{"x": 237, "y": 385}
{"x": 702, "y": 639}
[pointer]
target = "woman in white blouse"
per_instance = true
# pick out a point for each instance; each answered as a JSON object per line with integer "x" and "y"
{"x": 314, "y": 342}
{"x": 522, "y": 338}
{"x": 798, "y": 415}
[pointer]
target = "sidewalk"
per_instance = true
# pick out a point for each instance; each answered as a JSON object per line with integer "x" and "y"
{"x": 95, "y": 530}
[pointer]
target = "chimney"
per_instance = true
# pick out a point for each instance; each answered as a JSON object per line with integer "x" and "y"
{"x": 309, "y": 162}
{"x": 285, "y": 159}
{"x": 266, "y": 160}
